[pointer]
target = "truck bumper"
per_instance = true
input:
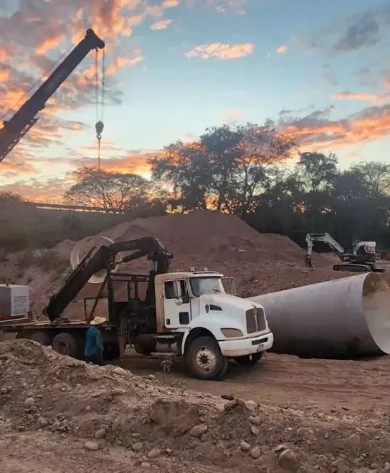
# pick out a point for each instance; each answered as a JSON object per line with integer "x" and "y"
{"x": 246, "y": 346}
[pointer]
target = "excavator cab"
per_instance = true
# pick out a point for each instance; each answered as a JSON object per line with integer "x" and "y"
{"x": 365, "y": 248}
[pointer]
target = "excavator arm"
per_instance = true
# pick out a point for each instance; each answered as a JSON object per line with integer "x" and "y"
{"x": 311, "y": 238}
{"x": 104, "y": 258}
{"x": 25, "y": 118}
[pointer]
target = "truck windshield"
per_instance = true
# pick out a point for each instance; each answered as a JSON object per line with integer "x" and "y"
{"x": 206, "y": 285}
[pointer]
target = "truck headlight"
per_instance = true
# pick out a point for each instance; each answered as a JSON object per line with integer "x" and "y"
{"x": 231, "y": 332}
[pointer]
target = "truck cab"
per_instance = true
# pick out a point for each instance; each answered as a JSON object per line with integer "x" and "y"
{"x": 213, "y": 324}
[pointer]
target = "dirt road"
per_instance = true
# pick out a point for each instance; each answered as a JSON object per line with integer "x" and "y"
{"x": 282, "y": 379}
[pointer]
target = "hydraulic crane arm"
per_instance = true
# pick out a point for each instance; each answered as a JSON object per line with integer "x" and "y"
{"x": 311, "y": 238}
{"x": 325, "y": 238}
{"x": 104, "y": 258}
{"x": 25, "y": 118}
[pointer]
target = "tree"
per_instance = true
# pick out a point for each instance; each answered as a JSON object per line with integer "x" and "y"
{"x": 225, "y": 169}
{"x": 375, "y": 175}
{"x": 185, "y": 167}
{"x": 280, "y": 207}
{"x": 97, "y": 188}
{"x": 261, "y": 147}
{"x": 319, "y": 170}
{"x": 360, "y": 209}
{"x": 10, "y": 198}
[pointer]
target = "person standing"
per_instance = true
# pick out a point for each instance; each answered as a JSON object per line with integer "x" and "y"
{"x": 94, "y": 342}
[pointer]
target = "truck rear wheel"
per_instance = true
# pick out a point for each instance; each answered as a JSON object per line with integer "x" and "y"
{"x": 43, "y": 338}
{"x": 249, "y": 359}
{"x": 205, "y": 360}
{"x": 66, "y": 344}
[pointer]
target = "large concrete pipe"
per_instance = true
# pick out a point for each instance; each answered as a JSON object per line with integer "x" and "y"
{"x": 346, "y": 317}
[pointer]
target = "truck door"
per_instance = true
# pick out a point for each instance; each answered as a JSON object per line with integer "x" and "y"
{"x": 177, "y": 307}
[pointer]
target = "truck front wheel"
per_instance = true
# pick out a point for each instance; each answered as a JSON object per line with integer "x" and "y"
{"x": 205, "y": 360}
{"x": 66, "y": 344}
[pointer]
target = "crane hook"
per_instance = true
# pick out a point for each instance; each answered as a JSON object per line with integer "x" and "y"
{"x": 99, "y": 126}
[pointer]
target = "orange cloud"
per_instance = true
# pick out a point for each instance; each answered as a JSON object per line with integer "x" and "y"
{"x": 161, "y": 25}
{"x": 120, "y": 62}
{"x": 374, "y": 98}
{"x": 4, "y": 55}
{"x": 20, "y": 163}
{"x": 170, "y": 3}
{"x": 222, "y": 51}
{"x": 316, "y": 132}
{"x": 4, "y": 74}
{"x": 386, "y": 83}
{"x": 156, "y": 11}
{"x": 35, "y": 190}
{"x": 282, "y": 49}
{"x": 132, "y": 162}
{"x": 49, "y": 43}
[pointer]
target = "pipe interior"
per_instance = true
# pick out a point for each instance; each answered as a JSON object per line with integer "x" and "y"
{"x": 376, "y": 304}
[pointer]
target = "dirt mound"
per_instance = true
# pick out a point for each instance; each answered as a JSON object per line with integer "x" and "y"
{"x": 107, "y": 407}
{"x": 260, "y": 262}
{"x": 210, "y": 233}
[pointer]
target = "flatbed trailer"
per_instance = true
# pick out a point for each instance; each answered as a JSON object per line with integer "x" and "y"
{"x": 66, "y": 337}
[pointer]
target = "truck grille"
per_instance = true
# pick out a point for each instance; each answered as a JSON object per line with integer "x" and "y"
{"x": 255, "y": 320}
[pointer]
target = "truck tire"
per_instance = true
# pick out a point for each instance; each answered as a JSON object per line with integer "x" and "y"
{"x": 66, "y": 344}
{"x": 249, "y": 359}
{"x": 43, "y": 338}
{"x": 205, "y": 360}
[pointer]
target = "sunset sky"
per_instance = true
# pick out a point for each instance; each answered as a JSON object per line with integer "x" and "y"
{"x": 319, "y": 70}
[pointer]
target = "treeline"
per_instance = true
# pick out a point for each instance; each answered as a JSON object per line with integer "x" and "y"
{"x": 249, "y": 171}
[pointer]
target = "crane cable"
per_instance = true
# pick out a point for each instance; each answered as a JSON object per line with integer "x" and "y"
{"x": 99, "y": 125}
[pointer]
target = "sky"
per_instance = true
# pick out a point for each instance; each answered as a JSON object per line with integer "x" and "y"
{"x": 318, "y": 70}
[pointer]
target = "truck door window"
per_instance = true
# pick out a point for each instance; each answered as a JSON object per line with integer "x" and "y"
{"x": 171, "y": 293}
{"x": 169, "y": 290}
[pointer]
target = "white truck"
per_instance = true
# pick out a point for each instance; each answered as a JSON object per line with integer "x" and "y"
{"x": 187, "y": 313}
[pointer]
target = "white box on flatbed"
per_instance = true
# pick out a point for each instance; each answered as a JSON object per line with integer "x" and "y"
{"x": 14, "y": 300}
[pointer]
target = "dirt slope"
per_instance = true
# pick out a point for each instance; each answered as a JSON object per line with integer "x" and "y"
{"x": 61, "y": 409}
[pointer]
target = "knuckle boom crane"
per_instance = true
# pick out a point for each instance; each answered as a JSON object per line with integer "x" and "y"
{"x": 25, "y": 117}
{"x": 184, "y": 313}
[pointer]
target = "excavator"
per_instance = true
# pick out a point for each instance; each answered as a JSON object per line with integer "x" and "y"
{"x": 25, "y": 117}
{"x": 361, "y": 258}
{"x": 185, "y": 313}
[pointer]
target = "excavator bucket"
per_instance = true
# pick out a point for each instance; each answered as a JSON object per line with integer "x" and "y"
{"x": 308, "y": 261}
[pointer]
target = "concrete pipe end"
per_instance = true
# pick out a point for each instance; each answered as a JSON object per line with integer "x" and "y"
{"x": 376, "y": 305}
